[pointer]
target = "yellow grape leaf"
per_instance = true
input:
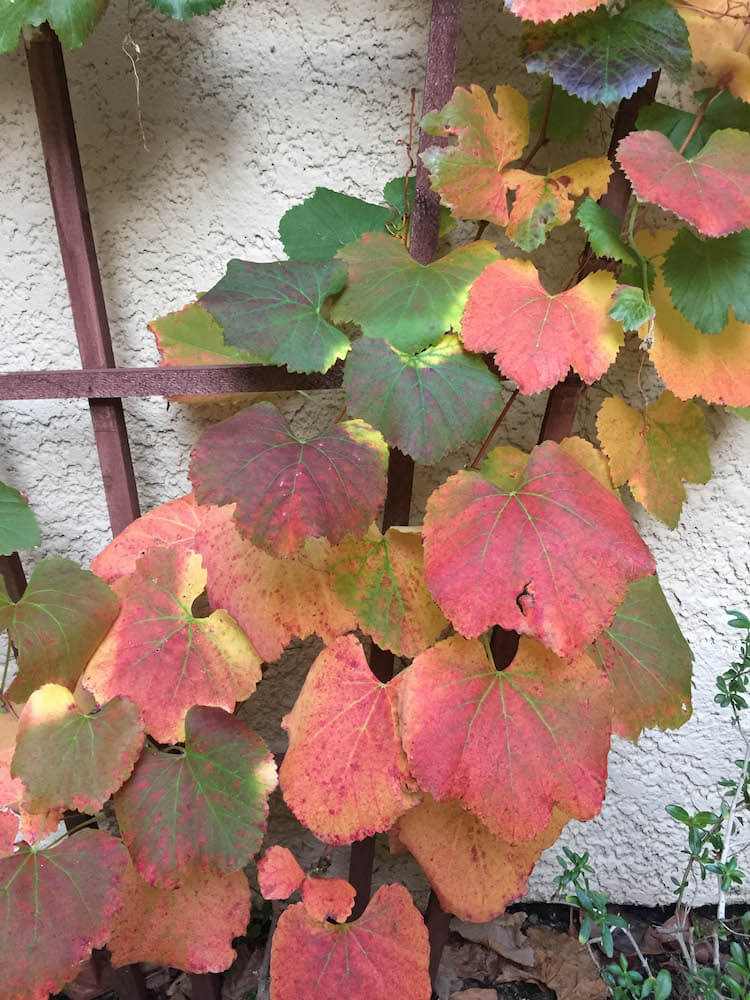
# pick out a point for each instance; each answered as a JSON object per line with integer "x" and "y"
{"x": 720, "y": 39}
{"x": 593, "y": 460}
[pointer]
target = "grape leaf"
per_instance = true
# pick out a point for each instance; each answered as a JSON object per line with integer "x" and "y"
{"x": 513, "y": 544}
{"x": 190, "y": 927}
{"x": 279, "y": 874}
{"x": 411, "y": 305}
{"x": 344, "y": 775}
{"x": 63, "y": 615}
{"x": 648, "y": 662}
{"x": 8, "y": 833}
{"x": 569, "y": 116}
{"x": 630, "y": 307}
{"x": 593, "y": 460}
{"x": 271, "y": 599}
{"x": 202, "y": 807}
{"x": 381, "y": 579}
{"x": 508, "y": 745}
{"x": 474, "y": 873}
{"x": 654, "y": 449}
{"x": 182, "y": 10}
{"x": 327, "y": 221}
{"x": 602, "y": 228}
{"x": 69, "y": 759}
{"x": 740, "y": 411}
{"x": 536, "y": 336}
{"x": 275, "y": 311}
{"x": 604, "y": 56}
{"x": 724, "y": 111}
{"x": 718, "y": 38}
{"x": 19, "y": 528}
{"x": 428, "y": 403}
{"x": 384, "y": 954}
{"x": 165, "y": 659}
{"x": 708, "y": 277}
{"x": 544, "y": 10}
{"x": 709, "y": 190}
{"x": 689, "y": 362}
{"x": 191, "y": 336}
{"x": 71, "y": 20}
{"x": 328, "y": 897}
{"x": 289, "y": 488}
{"x": 58, "y": 905}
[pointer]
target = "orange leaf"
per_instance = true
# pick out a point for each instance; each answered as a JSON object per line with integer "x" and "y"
{"x": 8, "y": 832}
{"x": 328, "y": 897}
{"x": 279, "y": 874}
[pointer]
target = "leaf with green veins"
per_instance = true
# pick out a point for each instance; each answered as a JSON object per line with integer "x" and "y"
{"x": 68, "y": 759}
{"x": 724, "y": 111}
{"x": 648, "y": 662}
{"x": 275, "y": 312}
{"x": 602, "y": 228}
{"x": 191, "y": 336}
{"x": 569, "y": 116}
{"x": 426, "y": 404}
{"x": 63, "y": 615}
{"x": 204, "y": 807}
{"x": 182, "y": 10}
{"x": 630, "y": 307}
{"x": 708, "y": 277}
{"x": 72, "y": 20}
{"x": 165, "y": 659}
{"x": 327, "y": 221}
{"x": 19, "y": 528}
{"x": 393, "y": 297}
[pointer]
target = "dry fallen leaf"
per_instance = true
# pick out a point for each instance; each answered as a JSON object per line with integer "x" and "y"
{"x": 564, "y": 965}
{"x": 503, "y": 935}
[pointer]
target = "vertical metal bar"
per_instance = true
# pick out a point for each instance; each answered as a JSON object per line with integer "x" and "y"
{"x": 57, "y": 132}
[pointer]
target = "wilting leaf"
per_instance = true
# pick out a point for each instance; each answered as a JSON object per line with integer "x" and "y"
{"x": 604, "y": 56}
{"x": 593, "y": 460}
{"x": 69, "y": 759}
{"x": 630, "y": 308}
{"x": 569, "y": 116}
{"x": 71, "y": 20}
{"x": 289, "y": 488}
{"x": 19, "y": 528}
{"x": 381, "y": 578}
{"x": 603, "y": 230}
{"x": 279, "y": 874}
{"x": 708, "y": 277}
{"x": 648, "y": 662}
{"x": 191, "y": 336}
{"x": 190, "y": 927}
{"x": 654, "y": 449}
{"x": 724, "y": 111}
{"x": 474, "y": 873}
{"x": 508, "y": 745}
{"x": 514, "y": 543}
{"x": 204, "y": 806}
{"x": 64, "y": 614}
{"x": 427, "y": 403}
{"x": 710, "y": 190}
{"x": 165, "y": 659}
{"x": 327, "y": 221}
{"x": 537, "y": 336}
{"x": 328, "y": 897}
{"x": 272, "y": 600}
{"x": 549, "y": 10}
{"x": 181, "y": 10}
{"x": 718, "y": 38}
{"x": 344, "y": 775}
{"x": 58, "y": 905}
{"x": 411, "y": 305}
{"x": 383, "y": 955}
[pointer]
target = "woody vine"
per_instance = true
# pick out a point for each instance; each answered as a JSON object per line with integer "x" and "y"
{"x": 525, "y": 610}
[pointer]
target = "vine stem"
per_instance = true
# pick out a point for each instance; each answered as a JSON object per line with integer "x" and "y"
{"x": 699, "y": 117}
{"x": 541, "y": 139}
{"x": 488, "y": 440}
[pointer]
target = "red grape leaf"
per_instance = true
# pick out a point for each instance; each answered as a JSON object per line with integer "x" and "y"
{"x": 279, "y": 873}
{"x": 395, "y": 298}
{"x": 165, "y": 659}
{"x": 64, "y": 614}
{"x": 11, "y": 789}
{"x": 288, "y": 488}
{"x": 719, "y": 40}
{"x": 534, "y": 545}
{"x": 593, "y": 460}
{"x": 191, "y": 336}
{"x": 710, "y": 190}
{"x": 549, "y": 10}
{"x": 271, "y": 599}
{"x": 383, "y": 955}
{"x": 344, "y": 775}
{"x": 648, "y": 662}
{"x": 69, "y": 759}
{"x": 510, "y": 746}
{"x": 654, "y": 449}
{"x": 8, "y": 833}
{"x": 202, "y": 807}
{"x": 381, "y": 578}
{"x": 35, "y": 826}
{"x": 190, "y": 927}
{"x": 474, "y": 873}
{"x": 536, "y": 336}
{"x": 328, "y": 897}
{"x": 58, "y": 905}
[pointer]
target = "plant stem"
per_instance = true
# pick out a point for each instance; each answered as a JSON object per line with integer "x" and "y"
{"x": 721, "y": 907}
{"x": 486, "y": 443}
{"x": 699, "y": 117}
{"x": 634, "y": 247}
{"x": 542, "y": 139}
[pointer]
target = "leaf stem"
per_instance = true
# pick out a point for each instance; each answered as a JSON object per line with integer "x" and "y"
{"x": 90, "y": 821}
{"x": 487, "y": 441}
{"x": 699, "y": 117}
{"x": 634, "y": 247}
{"x": 542, "y": 139}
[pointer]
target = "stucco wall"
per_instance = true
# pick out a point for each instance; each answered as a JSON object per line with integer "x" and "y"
{"x": 246, "y": 111}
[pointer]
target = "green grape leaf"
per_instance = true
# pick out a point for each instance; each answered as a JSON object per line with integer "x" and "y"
{"x": 604, "y": 56}
{"x": 708, "y": 277}
{"x": 64, "y": 614}
{"x": 393, "y": 193}
{"x": 569, "y": 116}
{"x": 630, "y": 307}
{"x": 72, "y": 20}
{"x": 182, "y": 10}
{"x": 275, "y": 312}
{"x": 19, "y": 528}
{"x": 740, "y": 411}
{"x": 327, "y": 221}
{"x": 426, "y": 404}
{"x": 191, "y": 336}
{"x": 411, "y": 305}
{"x": 724, "y": 111}
{"x": 603, "y": 230}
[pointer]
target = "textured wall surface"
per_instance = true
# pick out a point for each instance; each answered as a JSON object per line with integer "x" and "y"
{"x": 246, "y": 111}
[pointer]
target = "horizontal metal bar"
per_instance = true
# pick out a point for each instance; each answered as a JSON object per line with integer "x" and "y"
{"x": 107, "y": 383}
